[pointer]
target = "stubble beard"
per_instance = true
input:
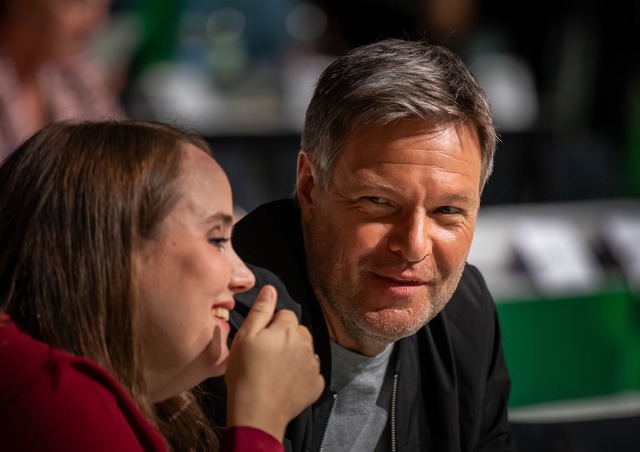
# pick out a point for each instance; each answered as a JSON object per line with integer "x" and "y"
{"x": 338, "y": 289}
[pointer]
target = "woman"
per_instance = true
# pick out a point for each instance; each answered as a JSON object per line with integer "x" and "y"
{"x": 46, "y": 73}
{"x": 116, "y": 281}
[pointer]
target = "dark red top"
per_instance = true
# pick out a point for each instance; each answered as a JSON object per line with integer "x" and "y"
{"x": 52, "y": 400}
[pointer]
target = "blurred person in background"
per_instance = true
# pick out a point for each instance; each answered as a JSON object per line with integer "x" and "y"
{"x": 46, "y": 73}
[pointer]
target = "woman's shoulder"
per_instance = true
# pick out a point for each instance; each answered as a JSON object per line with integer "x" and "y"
{"x": 50, "y": 397}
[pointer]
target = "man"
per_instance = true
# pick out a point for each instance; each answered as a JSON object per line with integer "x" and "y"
{"x": 397, "y": 146}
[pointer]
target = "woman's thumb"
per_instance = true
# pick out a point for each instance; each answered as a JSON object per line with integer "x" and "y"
{"x": 261, "y": 312}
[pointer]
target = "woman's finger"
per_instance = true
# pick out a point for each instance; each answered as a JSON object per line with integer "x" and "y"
{"x": 261, "y": 312}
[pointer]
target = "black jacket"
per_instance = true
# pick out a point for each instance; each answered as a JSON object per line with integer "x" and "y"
{"x": 451, "y": 385}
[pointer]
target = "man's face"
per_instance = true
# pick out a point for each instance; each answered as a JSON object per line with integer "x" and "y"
{"x": 387, "y": 241}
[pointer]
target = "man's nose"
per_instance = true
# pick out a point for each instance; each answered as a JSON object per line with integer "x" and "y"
{"x": 410, "y": 237}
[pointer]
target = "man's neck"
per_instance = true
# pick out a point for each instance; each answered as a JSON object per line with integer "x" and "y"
{"x": 363, "y": 344}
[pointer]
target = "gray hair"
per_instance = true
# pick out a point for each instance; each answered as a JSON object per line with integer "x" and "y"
{"x": 390, "y": 80}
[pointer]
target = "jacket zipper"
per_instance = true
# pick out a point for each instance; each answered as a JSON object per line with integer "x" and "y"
{"x": 326, "y": 426}
{"x": 394, "y": 445}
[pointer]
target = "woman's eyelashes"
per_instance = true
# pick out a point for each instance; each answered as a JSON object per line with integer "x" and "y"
{"x": 219, "y": 242}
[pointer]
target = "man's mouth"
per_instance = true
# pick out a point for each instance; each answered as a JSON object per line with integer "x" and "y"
{"x": 402, "y": 281}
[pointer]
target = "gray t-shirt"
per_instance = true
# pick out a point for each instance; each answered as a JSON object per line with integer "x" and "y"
{"x": 359, "y": 419}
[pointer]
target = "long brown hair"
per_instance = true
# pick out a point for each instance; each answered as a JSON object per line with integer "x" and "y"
{"x": 75, "y": 200}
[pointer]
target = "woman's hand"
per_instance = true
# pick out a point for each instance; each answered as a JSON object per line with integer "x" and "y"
{"x": 273, "y": 372}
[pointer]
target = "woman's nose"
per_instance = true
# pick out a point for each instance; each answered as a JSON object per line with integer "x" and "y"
{"x": 242, "y": 279}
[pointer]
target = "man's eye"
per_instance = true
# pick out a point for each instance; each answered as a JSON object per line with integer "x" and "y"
{"x": 448, "y": 210}
{"x": 378, "y": 200}
{"x": 219, "y": 242}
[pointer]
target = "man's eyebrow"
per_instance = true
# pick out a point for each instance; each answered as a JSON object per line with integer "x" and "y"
{"x": 461, "y": 198}
{"x": 220, "y": 217}
{"x": 373, "y": 182}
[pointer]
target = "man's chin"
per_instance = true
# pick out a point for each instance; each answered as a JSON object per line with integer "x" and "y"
{"x": 388, "y": 327}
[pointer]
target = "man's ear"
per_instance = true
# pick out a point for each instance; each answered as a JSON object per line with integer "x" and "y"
{"x": 305, "y": 182}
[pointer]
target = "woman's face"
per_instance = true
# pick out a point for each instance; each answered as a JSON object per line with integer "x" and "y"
{"x": 185, "y": 280}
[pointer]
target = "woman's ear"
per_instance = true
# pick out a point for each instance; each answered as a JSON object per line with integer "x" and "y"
{"x": 305, "y": 182}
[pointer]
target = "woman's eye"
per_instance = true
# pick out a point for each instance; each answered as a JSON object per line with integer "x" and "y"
{"x": 219, "y": 242}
